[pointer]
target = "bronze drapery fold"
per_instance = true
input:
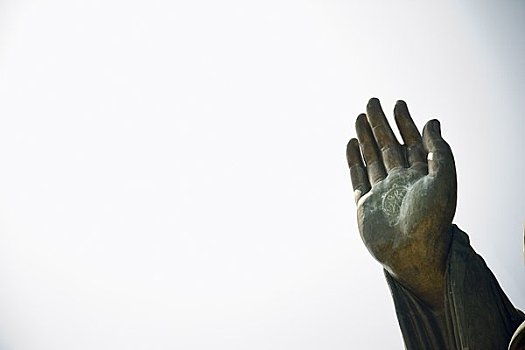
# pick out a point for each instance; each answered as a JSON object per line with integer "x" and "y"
{"x": 477, "y": 313}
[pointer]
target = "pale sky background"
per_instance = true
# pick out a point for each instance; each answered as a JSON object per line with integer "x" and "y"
{"x": 173, "y": 175}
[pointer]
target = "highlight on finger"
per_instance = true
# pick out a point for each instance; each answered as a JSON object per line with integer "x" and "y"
{"x": 440, "y": 157}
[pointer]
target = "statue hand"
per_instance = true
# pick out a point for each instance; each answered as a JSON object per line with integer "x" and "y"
{"x": 406, "y": 197}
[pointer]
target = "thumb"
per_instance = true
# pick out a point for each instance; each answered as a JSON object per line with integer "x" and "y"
{"x": 440, "y": 158}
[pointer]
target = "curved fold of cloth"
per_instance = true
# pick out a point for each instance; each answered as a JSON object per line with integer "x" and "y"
{"x": 477, "y": 313}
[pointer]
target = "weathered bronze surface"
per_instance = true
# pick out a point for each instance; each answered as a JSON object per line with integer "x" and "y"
{"x": 445, "y": 296}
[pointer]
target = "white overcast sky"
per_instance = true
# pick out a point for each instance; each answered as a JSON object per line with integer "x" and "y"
{"x": 173, "y": 176}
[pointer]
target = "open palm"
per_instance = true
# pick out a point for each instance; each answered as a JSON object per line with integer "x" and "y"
{"x": 406, "y": 197}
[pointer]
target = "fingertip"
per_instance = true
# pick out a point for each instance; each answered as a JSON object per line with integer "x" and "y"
{"x": 374, "y": 112}
{"x": 433, "y": 126}
{"x": 360, "y": 119}
{"x": 374, "y": 101}
{"x": 401, "y": 103}
{"x": 428, "y": 127}
{"x": 353, "y": 153}
{"x": 352, "y": 143}
{"x": 432, "y": 131}
{"x": 400, "y": 106}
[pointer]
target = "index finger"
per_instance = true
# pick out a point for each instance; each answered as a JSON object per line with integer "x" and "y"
{"x": 385, "y": 138}
{"x": 410, "y": 134}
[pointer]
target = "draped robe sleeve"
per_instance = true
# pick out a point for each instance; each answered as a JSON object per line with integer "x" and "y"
{"x": 477, "y": 314}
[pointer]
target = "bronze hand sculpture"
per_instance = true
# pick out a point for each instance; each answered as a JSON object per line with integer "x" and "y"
{"x": 406, "y": 200}
{"x": 406, "y": 203}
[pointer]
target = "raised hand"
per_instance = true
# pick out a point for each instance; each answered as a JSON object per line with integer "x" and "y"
{"x": 406, "y": 197}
